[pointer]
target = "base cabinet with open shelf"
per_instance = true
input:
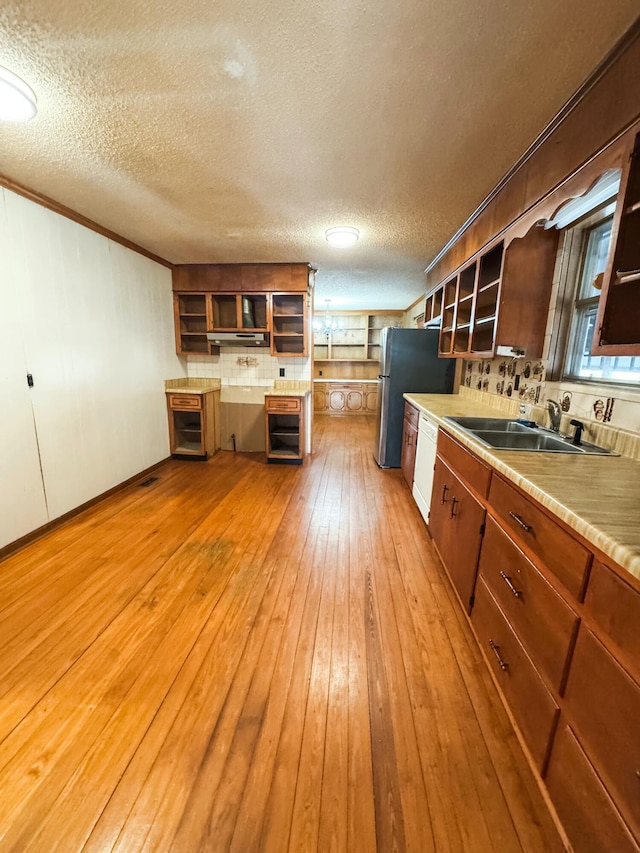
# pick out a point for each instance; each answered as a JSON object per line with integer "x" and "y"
{"x": 285, "y": 438}
{"x": 194, "y": 429}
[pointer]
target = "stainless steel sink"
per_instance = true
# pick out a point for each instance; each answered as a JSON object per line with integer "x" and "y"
{"x": 508, "y": 434}
{"x": 526, "y": 441}
{"x": 494, "y": 424}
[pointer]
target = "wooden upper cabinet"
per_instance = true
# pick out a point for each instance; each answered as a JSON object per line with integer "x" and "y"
{"x": 433, "y": 307}
{"x": 289, "y": 319}
{"x": 241, "y": 297}
{"x": 618, "y": 323}
{"x": 192, "y": 318}
{"x": 500, "y": 298}
{"x": 240, "y": 312}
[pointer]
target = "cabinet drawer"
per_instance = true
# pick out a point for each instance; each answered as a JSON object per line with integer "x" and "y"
{"x": 544, "y": 622}
{"x": 533, "y": 707}
{"x": 586, "y": 810}
{"x": 185, "y": 401}
{"x": 566, "y": 558}
{"x": 615, "y": 607}
{"x": 604, "y": 705}
{"x": 283, "y": 404}
{"x": 411, "y": 414}
{"x": 472, "y": 470}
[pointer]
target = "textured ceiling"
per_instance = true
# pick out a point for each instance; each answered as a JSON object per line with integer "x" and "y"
{"x": 229, "y": 132}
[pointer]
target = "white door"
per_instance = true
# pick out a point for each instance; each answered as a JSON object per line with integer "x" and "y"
{"x": 23, "y": 506}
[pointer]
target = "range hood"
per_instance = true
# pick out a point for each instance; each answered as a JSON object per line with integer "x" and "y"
{"x": 238, "y": 339}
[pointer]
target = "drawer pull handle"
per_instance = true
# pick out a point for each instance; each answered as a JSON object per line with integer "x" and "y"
{"x": 523, "y": 524}
{"x": 454, "y": 501}
{"x": 509, "y": 583}
{"x": 496, "y": 650}
{"x": 444, "y": 498}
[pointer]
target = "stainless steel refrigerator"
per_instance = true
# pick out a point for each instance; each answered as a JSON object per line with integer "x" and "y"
{"x": 409, "y": 363}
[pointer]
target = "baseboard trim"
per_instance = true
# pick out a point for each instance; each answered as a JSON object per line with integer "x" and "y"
{"x": 13, "y": 547}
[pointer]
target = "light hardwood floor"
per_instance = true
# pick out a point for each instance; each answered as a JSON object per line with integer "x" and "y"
{"x": 252, "y": 658}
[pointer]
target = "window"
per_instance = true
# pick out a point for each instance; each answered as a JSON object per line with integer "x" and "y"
{"x": 579, "y": 363}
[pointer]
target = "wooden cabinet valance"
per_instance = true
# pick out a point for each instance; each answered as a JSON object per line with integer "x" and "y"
{"x": 241, "y": 278}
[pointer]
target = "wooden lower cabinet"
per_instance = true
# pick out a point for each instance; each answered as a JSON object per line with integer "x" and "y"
{"x": 194, "y": 424}
{"x": 559, "y": 630}
{"x": 526, "y": 694}
{"x": 349, "y": 398}
{"x": 613, "y": 605}
{"x": 545, "y": 623}
{"x": 284, "y": 429}
{"x": 320, "y": 398}
{"x": 456, "y": 523}
{"x": 603, "y": 703}
{"x": 587, "y": 812}
{"x": 345, "y": 400}
{"x": 370, "y": 399}
{"x": 409, "y": 442}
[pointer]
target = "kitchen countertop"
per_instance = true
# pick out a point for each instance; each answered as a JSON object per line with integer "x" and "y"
{"x": 597, "y": 496}
{"x": 238, "y": 393}
{"x": 347, "y": 381}
{"x": 289, "y": 388}
{"x": 191, "y": 385}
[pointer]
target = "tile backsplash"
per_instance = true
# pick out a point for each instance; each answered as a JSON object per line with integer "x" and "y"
{"x": 243, "y": 366}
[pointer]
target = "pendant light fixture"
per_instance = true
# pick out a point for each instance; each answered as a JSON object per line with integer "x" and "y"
{"x": 17, "y": 99}
{"x": 342, "y": 236}
{"x": 329, "y": 324}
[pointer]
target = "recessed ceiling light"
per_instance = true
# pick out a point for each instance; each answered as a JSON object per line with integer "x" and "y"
{"x": 342, "y": 236}
{"x": 17, "y": 99}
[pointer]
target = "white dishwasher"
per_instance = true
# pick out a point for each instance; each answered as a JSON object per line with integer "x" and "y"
{"x": 425, "y": 462}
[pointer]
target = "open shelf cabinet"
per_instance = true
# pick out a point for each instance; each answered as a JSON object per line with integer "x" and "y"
{"x": 617, "y": 328}
{"x": 289, "y": 324}
{"x": 500, "y": 298}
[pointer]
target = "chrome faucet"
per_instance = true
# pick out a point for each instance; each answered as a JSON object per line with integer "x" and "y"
{"x": 555, "y": 414}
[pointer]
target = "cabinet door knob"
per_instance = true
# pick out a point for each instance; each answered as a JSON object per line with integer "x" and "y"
{"x": 523, "y": 524}
{"x": 444, "y": 498}
{"x": 454, "y": 501}
{"x": 496, "y": 650}
{"x": 509, "y": 583}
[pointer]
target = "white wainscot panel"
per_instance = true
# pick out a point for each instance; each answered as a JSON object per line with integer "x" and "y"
{"x": 98, "y": 333}
{"x": 22, "y": 500}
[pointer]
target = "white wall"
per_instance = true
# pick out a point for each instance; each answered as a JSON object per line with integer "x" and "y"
{"x": 92, "y": 321}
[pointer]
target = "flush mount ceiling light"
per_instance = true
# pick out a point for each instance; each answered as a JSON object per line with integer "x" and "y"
{"x": 17, "y": 99}
{"x": 342, "y": 236}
